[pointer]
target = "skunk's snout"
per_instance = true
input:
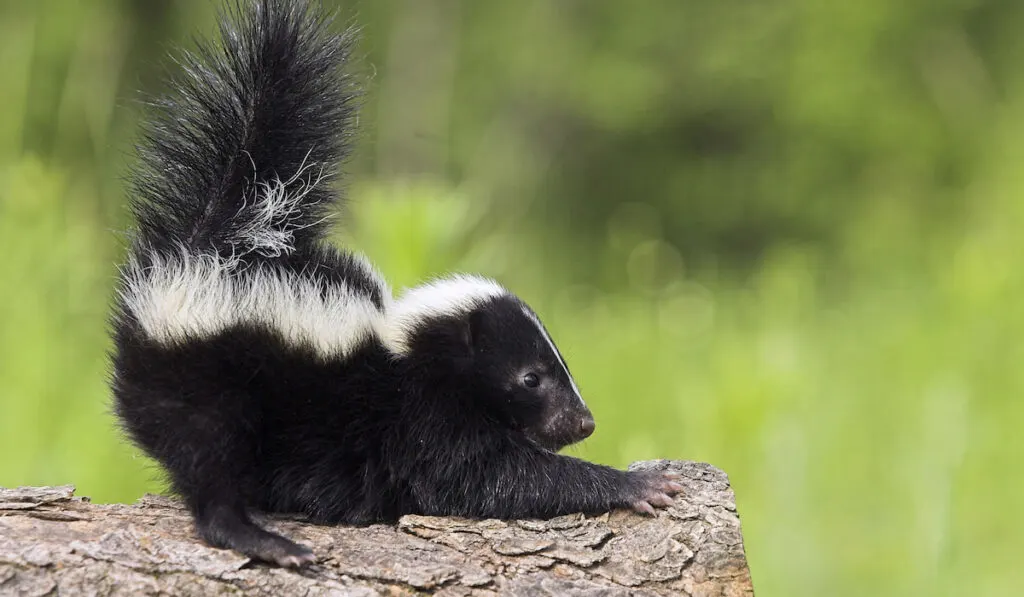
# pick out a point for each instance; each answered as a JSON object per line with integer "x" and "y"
{"x": 567, "y": 425}
{"x": 587, "y": 427}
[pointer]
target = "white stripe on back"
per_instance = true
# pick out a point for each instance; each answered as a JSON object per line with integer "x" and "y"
{"x": 451, "y": 296}
{"x": 191, "y": 296}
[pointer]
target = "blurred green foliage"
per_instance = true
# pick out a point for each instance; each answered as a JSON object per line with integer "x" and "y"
{"x": 782, "y": 237}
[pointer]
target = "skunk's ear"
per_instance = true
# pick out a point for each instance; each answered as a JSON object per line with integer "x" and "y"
{"x": 472, "y": 330}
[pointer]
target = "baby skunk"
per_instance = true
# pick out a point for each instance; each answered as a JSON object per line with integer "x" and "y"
{"x": 267, "y": 371}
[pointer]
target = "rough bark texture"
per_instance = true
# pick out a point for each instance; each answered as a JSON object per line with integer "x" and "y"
{"x": 53, "y": 543}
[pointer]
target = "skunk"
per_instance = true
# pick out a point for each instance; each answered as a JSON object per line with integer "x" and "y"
{"x": 266, "y": 371}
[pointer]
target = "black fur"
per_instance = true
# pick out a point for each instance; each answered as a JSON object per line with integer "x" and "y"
{"x": 245, "y": 420}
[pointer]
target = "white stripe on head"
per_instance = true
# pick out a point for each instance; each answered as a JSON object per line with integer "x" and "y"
{"x": 186, "y": 296}
{"x": 444, "y": 297}
{"x": 558, "y": 355}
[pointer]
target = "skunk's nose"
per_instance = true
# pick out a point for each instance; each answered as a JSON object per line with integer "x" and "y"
{"x": 587, "y": 426}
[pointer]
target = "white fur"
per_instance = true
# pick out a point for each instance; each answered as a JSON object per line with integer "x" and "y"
{"x": 551, "y": 344}
{"x": 195, "y": 296}
{"x": 270, "y": 218}
{"x": 454, "y": 295}
{"x": 191, "y": 296}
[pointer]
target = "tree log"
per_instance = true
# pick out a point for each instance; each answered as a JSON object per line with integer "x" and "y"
{"x": 54, "y": 543}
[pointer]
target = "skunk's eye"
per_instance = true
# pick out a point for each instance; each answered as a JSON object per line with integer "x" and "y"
{"x": 531, "y": 380}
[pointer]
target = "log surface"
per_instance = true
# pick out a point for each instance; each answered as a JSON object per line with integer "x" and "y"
{"x": 52, "y": 543}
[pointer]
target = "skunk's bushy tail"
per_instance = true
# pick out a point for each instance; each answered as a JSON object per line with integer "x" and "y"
{"x": 239, "y": 157}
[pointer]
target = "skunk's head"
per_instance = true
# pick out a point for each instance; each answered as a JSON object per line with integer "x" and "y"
{"x": 475, "y": 335}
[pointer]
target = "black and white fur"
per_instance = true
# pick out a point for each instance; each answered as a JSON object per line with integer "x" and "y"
{"x": 265, "y": 370}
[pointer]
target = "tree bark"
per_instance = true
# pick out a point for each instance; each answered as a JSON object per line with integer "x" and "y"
{"x": 52, "y": 543}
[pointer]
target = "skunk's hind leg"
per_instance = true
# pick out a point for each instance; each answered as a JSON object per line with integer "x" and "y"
{"x": 205, "y": 438}
{"x": 214, "y": 468}
{"x": 224, "y": 522}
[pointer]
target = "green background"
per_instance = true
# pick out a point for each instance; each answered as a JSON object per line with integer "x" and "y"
{"x": 782, "y": 237}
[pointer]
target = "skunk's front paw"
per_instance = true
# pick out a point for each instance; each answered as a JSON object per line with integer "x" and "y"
{"x": 652, "y": 489}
